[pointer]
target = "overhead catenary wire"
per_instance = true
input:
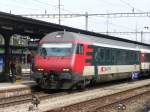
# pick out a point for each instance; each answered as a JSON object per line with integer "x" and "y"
{"x": 72, "y": 14}
{"x": 106, "y": 2}
{"x": 25, "y": 7}
{"x": 133, "y": 8}
{"x": 22, "y": 7}
{"x": 112, "y": 24}
{"x": 54, "y": 6}
{"x": 43, "y": 6}
{"x": 108, "y": 15}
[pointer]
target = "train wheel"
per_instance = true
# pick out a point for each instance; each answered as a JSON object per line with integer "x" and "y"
{"x": 73, "y": 87}
{"x": 81, "y": 85}
{"x": 38, "y": 86}
{"x": 92, "y": 82}
{"x": 37, "y": 81}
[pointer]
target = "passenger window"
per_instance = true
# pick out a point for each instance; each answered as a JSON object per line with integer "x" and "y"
{"x": 80, "y": 49}
{"x": 44, "y": 52}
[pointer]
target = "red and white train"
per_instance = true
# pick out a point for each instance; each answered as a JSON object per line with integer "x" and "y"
{"x": 71, "y": 60}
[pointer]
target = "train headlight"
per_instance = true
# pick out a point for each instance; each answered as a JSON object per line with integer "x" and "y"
{"x": 66, "y": 70}
{"x": 40, "y": 69}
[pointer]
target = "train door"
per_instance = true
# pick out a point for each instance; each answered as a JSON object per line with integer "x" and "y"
{"x": 79, "y": 60}
{"x": 95, "y": 62}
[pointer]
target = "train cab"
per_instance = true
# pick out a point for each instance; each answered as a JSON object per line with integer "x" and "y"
{"x": 59, "y": 58}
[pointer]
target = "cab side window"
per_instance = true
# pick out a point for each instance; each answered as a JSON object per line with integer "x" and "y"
{"x": 80, "y": 49}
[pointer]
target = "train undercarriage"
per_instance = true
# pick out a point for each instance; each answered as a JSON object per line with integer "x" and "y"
{"x": 56, "y": 81}
{"x": 60, "y": 81}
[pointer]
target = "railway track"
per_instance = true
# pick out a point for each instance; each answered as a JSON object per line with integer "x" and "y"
{"x": 121, "y": 105}
{"x": 112, "y": 102}
{"x": 16, "y": 100}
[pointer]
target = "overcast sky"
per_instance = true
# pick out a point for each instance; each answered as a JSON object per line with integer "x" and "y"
{"x": 96, "y": 24}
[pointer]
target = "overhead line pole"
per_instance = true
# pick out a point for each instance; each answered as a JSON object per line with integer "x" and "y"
{"x": 86, "y": 21}
{"x": 107, "y": 22}
{"x": 59, "y": 11}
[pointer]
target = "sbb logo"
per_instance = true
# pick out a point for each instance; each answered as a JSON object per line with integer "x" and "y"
{"x": 103, "y": 69}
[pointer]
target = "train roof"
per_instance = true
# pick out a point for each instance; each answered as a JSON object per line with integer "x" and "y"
{"x": 80, "y": 36}
{"x": 103, "y": 40}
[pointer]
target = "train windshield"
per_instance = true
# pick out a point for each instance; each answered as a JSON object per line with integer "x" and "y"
{"x": 56, "y": 49}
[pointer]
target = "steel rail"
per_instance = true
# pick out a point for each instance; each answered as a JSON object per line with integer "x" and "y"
{"x": 105, "y": 101}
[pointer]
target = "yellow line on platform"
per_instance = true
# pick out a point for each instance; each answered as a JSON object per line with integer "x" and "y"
{"x": 18, "y": 81}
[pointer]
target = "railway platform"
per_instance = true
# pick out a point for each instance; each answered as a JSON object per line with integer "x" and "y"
{"x": 77, "y": 100}
{"x": 16, "y": 89}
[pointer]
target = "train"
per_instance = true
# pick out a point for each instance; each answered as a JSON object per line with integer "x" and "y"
{"x": 67, "y": 60}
